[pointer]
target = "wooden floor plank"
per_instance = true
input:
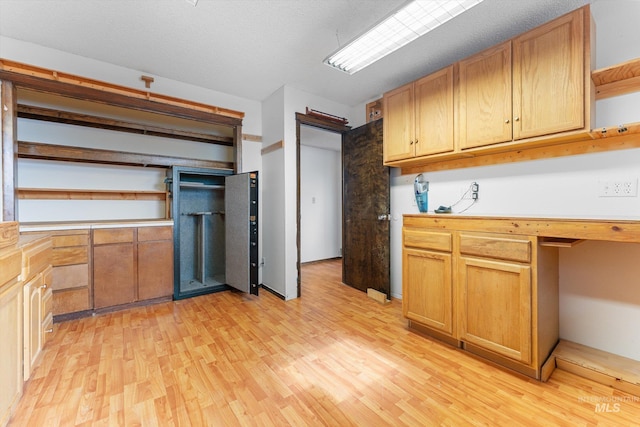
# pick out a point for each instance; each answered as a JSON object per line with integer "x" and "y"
{"x": 333, "y": 357}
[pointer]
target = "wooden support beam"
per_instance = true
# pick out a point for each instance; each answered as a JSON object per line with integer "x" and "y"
{"x": 8, "y": 148}
{"x": 50, "y": 81}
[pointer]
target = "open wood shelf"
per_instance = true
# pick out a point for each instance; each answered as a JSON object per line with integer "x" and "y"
{"x": 606, "y": 368}
{"x": 59, "y": 116}
{"x": 77, "y": 194}
{"x": 559, "y": 242}
{"x": 617, "y": 80}
{"x": 36, "y": 150}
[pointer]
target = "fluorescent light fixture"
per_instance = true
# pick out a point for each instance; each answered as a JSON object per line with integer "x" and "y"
{"x": 413, "y": 20}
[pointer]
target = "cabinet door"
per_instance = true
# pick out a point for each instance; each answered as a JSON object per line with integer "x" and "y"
{"x": 485, "y": 90}
{"x": 495, "y": 305}
{"x": 155, "y": 269}
{"x": 434, "y": 113}
{"x": 398, "y": 124}
{"x": 11, "y": 336}
{"x": 32, "y": 324}
{"x": 427, "y": 289}
{"x": 113, "y": 275}
{"x": 549, "y": 78}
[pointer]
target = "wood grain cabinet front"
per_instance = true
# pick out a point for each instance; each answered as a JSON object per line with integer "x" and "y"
{"x": 533, "y": 85}
{"x": 36, "y": 270}
{"x": 418, "y": 117}
{"x": 11, "y": 332}
{"x": 427, "y": 291}
{"x": 113, "y": 267}
{"x": 132, "y": 264}
{"x": 71, "y": 272}
{"x": 495, "y": 295}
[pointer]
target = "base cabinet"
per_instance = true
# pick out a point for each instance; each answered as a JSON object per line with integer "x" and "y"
{"x": 131, "y": 265}
{"x": 495, "y": 295}
{"x": 71, "y": 271}
{"x": 495, "y": 306}
{"x": 113, "y": 267}
{"x": 36, "y": 273}
{"x": 11, "y": 331}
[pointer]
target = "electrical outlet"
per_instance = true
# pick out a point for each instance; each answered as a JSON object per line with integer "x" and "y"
{"x": 618, "y": 188}
{"x": 475, "y": 188}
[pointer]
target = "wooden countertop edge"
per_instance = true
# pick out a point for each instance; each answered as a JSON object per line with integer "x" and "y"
{"x": 615, "y": 230}
{"x": 84, "y": 225}
{"x": 8, "y": 233}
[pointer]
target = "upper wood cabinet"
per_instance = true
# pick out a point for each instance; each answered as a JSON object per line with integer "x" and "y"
{"x": 484, "y": 98}
{"x": 531, "y": 86}
{"x": 418, "y": 118}
{"x": 398, "y": 124}
{"x": 549, "y": 75}
{"x": 527, "y": 92}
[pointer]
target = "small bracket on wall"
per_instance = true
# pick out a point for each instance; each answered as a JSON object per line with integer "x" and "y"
{"x": 147, "y": 80}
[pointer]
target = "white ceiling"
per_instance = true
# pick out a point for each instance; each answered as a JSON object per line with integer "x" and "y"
{"x": 251, "y": 48}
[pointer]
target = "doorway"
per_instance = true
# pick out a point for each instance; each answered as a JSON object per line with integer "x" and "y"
{"x": 320, "y": 194}
{"x": 365, "y": 203}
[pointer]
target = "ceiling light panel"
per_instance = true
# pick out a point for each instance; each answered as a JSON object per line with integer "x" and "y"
{"x": 411, "y": 21}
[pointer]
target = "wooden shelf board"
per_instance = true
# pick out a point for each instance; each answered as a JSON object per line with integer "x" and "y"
{"x": 610, "y": 369}
{"x": 58, "y": 116}
{"x": 35, "y": 150}
{"x": 593, "y": 142}
{"x": 617, "y": 79}
{"x": 77, "y": 194}
{"x": 559, "y": 242}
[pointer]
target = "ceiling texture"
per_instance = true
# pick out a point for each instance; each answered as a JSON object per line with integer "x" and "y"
{"x": 251, "y": 48}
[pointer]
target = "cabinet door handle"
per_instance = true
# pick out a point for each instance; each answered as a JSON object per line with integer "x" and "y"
{"x": 516, "y": 119}
{"x": 49, "y": 330}
{"x": 410, "y": 142}
{"x": 43, "y": 286}
{"x": 506, "y": 121}
{"x": 416, "y": 141}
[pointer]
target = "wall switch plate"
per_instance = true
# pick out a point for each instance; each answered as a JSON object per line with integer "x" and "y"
{"x": 618, "y": 188}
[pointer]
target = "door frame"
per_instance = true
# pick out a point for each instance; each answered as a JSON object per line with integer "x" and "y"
{"x": 305, "y": 119}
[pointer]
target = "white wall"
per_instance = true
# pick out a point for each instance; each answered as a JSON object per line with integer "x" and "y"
{"x": 279, "y": 123}
{"x": 599, "y": 292}
{"x": 320, "y": 203}
{"x": 273, "y": 201}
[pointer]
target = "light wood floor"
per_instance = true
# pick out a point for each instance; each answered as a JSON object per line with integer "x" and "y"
{"x": 333, "y": 357}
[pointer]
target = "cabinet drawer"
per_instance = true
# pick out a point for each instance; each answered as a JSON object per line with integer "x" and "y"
{"x": 35, "y": 258}
{"x": 70, "y": 255}
{"x": 154, "y": 233}
{"x": 112, "y": 235}
{"x": 426, "y": 239}
{"x": 11, "y": 261}
{"x": 70, "y": 276}
{"x": 496, "y": 246}
{"x": 70, "y": 301}
{"x": 70, "y": 240}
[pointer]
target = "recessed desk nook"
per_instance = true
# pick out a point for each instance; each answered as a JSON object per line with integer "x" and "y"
{"x": 490, "y": 285}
